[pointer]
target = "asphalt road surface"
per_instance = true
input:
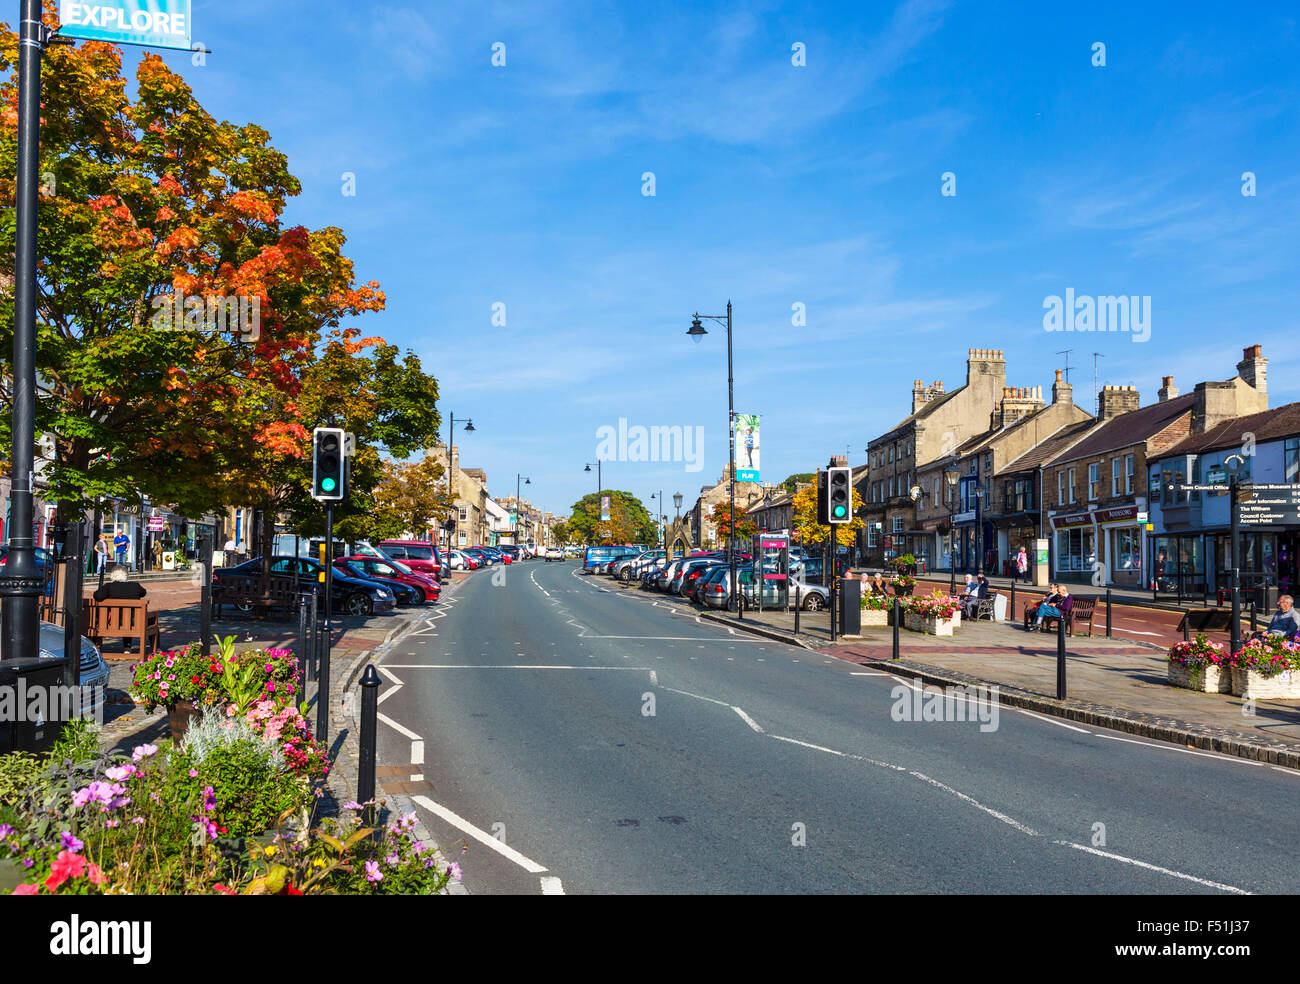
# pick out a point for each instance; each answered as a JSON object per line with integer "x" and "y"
{"x": 579, "y": 738}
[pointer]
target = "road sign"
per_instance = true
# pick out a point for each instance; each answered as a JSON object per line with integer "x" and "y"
{"x": 1216, "y": 476}
{"x": 150, "y": 23}
{"x": 1272, "y": 506}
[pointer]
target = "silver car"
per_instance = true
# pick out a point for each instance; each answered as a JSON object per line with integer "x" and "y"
{"x": 94, "y": 671}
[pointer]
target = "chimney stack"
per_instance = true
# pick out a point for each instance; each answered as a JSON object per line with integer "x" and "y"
{"x": 918, "y": 395}
{"x": 1062, "y": 392}
{"x": 985, "y": 362}
{"x": 1168, "y": 391}
{"x": 1115, "y": 400}
{"x": 1253, "y": 367}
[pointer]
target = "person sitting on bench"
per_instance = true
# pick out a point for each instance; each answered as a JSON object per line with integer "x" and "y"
{"x": 978, "y": 592}
{"x": 1058, "y": 606}
{"x": 1285, "y": 621}
{"x": 119, "y": 588}
{"x": 1032, "y": 610}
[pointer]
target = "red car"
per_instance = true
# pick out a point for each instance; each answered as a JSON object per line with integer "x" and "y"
{"x": 395, "y": 571}
{"x": 420, "y": 556}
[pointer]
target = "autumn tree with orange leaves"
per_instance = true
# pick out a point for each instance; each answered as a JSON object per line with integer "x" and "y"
{"x": 142, "y": 200}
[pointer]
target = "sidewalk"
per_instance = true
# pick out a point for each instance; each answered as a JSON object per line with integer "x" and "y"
{"x": 1112, "y": 683}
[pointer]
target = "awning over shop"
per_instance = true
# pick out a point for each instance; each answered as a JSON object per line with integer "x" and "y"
{"x": 1072, "y": 520}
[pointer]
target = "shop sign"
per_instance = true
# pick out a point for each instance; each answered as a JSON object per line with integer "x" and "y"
{"x": 1072, "y": 520}
{"x": 1119, "y": 514}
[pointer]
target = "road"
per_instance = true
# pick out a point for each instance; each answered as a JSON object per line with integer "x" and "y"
{"x": 585, "y": 739}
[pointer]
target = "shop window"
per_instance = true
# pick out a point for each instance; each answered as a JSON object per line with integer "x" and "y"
{"x": 1128, "y": 474}
{"x": 1114, "y": 476}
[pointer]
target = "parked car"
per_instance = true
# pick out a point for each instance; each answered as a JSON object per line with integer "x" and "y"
{"x": 420, "y": 556}
{"x": 461, "y": 561}
{"x": 349, "y": 595}
{"x": 425, "y": 587}
{"x": 690, "y": 564}
{"x": 484, "y": 558}
{"x": 94, "y": 670}
{"x": 698, "y": 577}
{"x": 554, "y": 553}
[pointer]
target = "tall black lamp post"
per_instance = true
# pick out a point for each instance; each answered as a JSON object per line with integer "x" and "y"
{"x": 451, "y": 479}
{"x": 952, "y": 475}
{"x": 697, "y": 331}
{"x": 599, "y": 486}
{"x": 519, "y": 504}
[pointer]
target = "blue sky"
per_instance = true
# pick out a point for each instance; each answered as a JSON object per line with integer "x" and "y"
{"x": 777, "y": 185}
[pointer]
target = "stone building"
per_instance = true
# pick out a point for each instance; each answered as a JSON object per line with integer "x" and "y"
{"x": 939, "y": 423}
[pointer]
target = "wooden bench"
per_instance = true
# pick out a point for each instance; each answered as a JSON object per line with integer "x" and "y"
{"x": 251, "y": 591}
{"x": 1082, "y": 611}
{"x": 115, "y": 618}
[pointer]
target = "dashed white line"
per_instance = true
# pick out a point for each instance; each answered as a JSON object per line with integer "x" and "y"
{"x": 505, "y": 850}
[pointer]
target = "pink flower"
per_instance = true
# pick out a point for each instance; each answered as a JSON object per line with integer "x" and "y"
{"x": 193, "y": 773}
{"x": 27, "y": 890}
{"x": 373, "y": 874}
{"x": 454, "y": 868}
{"x": 143, "y": 752}
{"x": 120, "y": 772}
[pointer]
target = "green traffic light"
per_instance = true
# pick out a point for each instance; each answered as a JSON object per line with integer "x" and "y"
{"x": 327, "y": 484}
{"x": 839, "y": 510}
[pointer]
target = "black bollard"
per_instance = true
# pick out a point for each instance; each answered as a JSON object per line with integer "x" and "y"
{"x": 796, "y": 609}
{"x": 370, "y": 681}
{"x": 898, "y": 617}
{"x": 1011, "y": 612}
{"x": 1060, "y": 658}
{"x": 1187, "y": 627}
{"x": 1253, "y": 615}
{"x": 205, "y": 595}
{"x": 303, "y": 636}
{"x": 1108, "y": 635}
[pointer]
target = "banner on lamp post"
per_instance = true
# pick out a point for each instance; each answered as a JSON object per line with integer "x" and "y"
{"x": 149, "y": 23}
{"x": 747, "y": 465}
{"x": 604, "y": 509}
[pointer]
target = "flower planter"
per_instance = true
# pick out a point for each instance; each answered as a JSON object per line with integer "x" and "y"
{"x": 930, "y": 626}
{"x": 179, "y": 718}
{"x": 1249, "y": 684}
{"x": 871, "y": 616}
{"x": 1209, "y": 679}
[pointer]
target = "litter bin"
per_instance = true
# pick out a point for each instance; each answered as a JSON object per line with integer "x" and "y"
{"x": 24, "y": 724}
{"x": 850, "y": 607}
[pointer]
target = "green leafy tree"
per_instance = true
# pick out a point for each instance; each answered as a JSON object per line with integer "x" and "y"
{"x": 629, "y": 521}
{"x": 810, "y": 532}
{"x": 791, "y": 483}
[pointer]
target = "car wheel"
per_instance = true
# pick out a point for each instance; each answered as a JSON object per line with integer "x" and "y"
{"x": 813, "y": 603}
{"x": 420, "y": 596}
{"x": 359, "y": 604}
{"x": 625, "y": 574}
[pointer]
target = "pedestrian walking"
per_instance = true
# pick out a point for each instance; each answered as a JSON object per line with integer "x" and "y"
{"x": 1022, "y": 564}
{"x": 121, "y": 544}
{"x": 101, "y": 553}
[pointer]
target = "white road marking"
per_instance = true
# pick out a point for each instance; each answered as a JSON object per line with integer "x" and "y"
{"x": 654, "y": 678}
{"x": 391, "y": 675}
{"x": 747, "y": 719}
{"x": 1155, "y": 867}
{"x": 687, "y": 693}
{"x": 516, "y": 666}
{"x": 551, "y": 885}
{"x": 404, "y": 732}
{"x": 975, "y": 803}
{"x": 1059, "y": 724}
{"x": 417, "y": 752}
{"x": 505, "y": 850}
{"x": 1185, "y": 751}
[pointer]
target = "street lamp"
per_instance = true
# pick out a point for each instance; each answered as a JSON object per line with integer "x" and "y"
{"x": 697, "y": 331}
{"x": 979, "y": 532}
{"x": 663, "y": 534}
{"x": 451, "y": 493}
{"x": 518, "y": 505}
{"x": 599, "y": 486}
{"x": 952, "y": 475}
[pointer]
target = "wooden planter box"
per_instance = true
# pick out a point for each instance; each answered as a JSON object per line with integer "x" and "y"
{"x": 1248, "y": 683}
{"x": 930, "y": 626}
{"x": 1206, "y": 679}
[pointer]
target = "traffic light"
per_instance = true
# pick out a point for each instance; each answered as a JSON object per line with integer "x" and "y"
{"x": 327, "y": 464}
{"x": 839, "y": 494}
{"x": 823, "y": 510}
